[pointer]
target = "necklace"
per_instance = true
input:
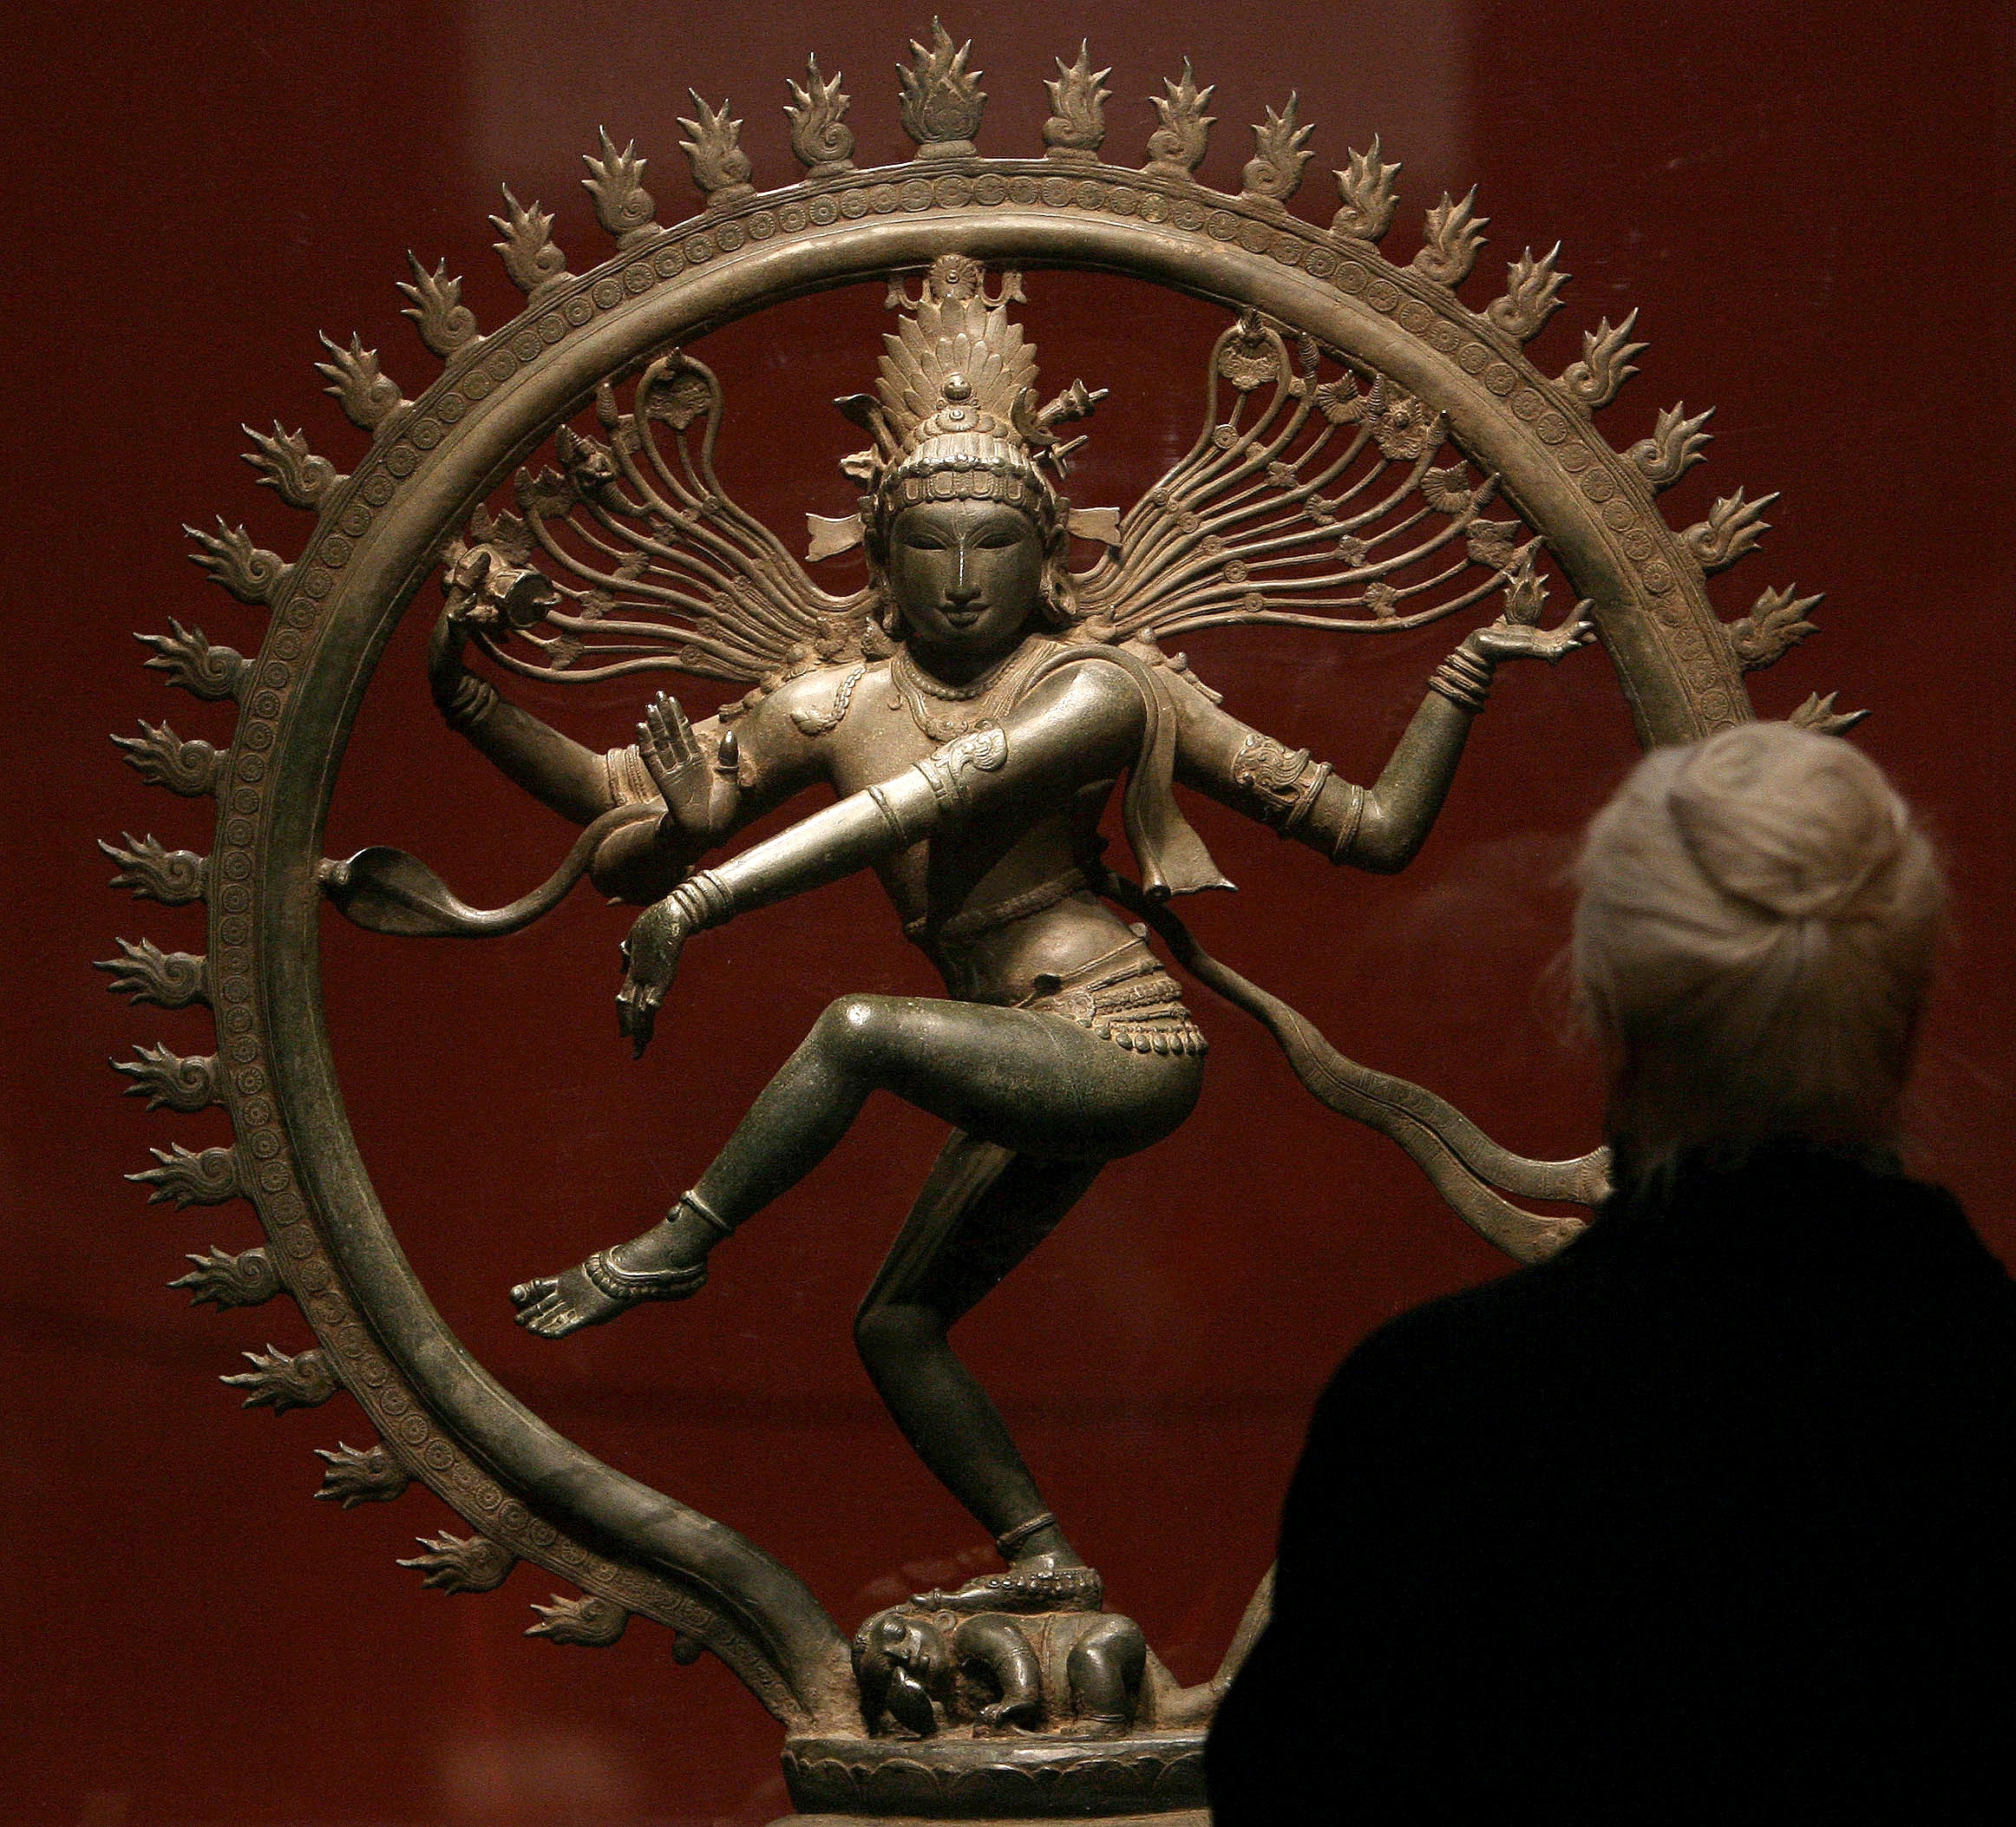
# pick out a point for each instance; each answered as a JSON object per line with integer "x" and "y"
{"x": 935, "y": 687}
{"x": 999, "y": 682}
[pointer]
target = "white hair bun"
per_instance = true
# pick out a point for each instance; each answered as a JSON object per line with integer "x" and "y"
{"x": 1753, "y": 941}
{"x": 1799, "y": 825}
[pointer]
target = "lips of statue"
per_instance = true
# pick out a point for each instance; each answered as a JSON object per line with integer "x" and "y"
{"x": 965, "y": 576}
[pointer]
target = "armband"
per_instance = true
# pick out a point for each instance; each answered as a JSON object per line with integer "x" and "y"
{"x": 1284, "y": 784}
{"x": 1347, "y": 825}
{"x": 945, "y": 768}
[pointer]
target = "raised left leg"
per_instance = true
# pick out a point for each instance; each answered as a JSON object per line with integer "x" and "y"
{"x": 1031, "y": 1082}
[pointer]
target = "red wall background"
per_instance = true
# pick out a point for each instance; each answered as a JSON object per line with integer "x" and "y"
{"x": 1803, "y": 201}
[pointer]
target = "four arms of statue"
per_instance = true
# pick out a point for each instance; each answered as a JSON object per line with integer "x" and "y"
{"x": 973, "y": 767}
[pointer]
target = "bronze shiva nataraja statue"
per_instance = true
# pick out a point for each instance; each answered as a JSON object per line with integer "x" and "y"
{"x": 975, "y": 731}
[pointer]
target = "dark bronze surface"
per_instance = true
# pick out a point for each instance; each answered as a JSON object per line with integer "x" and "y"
{"x": 974, "y": 708}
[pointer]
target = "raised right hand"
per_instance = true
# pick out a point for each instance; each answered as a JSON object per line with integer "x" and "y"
{"x": 445, "y": 646}
{"x": 676, "y": 765}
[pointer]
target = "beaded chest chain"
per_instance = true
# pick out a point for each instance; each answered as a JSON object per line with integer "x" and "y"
{"x": 979, "y": 704}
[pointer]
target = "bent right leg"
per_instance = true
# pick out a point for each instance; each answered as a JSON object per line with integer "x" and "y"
{"x": 1032, "y": 1082}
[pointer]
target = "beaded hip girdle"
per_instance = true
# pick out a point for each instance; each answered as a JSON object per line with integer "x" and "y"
{"x": 1126, "y": 996}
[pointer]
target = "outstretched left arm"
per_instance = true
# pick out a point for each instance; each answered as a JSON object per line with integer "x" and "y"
{"x": 1400, "y": 810}
{"x": 1378, "y": 827}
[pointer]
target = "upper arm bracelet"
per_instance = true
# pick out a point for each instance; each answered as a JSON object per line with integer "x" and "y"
{"x": 1347, "y": 825}
{"x": 1284, "y": 786}
{"x": 947, "y": 768}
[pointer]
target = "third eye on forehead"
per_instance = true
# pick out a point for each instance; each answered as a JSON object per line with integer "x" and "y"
{"x": 944, "y": 523}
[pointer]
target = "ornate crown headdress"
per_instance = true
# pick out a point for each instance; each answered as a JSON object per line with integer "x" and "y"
{"x": 953, "y": 415}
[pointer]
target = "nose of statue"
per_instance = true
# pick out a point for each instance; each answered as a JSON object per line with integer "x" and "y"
{"x": 962, "y": 590}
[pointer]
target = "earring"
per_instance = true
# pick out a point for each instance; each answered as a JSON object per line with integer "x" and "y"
{"x": 1058, "y": 596}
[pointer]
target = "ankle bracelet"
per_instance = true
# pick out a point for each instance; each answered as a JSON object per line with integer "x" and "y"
{"x": 692, "y": 1202}
{"x": 1006, "y": 1545}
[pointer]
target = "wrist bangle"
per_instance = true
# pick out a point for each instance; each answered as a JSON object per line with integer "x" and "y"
{"x": 472, "y": 700}
{"x": 1464, "y": 680}
{"x": 629, "y": 781}
{"x": 703, "y": 901}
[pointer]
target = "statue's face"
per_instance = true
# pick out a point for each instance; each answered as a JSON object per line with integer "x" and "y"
{"x": 965, "y": 574}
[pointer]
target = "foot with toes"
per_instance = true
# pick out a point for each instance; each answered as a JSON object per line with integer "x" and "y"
{"x": 662, "y": 1265}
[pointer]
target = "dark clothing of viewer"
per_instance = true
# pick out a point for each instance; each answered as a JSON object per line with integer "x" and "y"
{"x": 1710, "y": 1518}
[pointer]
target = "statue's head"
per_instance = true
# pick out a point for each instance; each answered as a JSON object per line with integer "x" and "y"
{"x": 964, "y": 529}
{"x": 969, "y": 540}
{"x": 964, "y": 573}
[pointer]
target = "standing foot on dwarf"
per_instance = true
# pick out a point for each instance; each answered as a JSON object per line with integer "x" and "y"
{"x": 981, "y": 1212}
